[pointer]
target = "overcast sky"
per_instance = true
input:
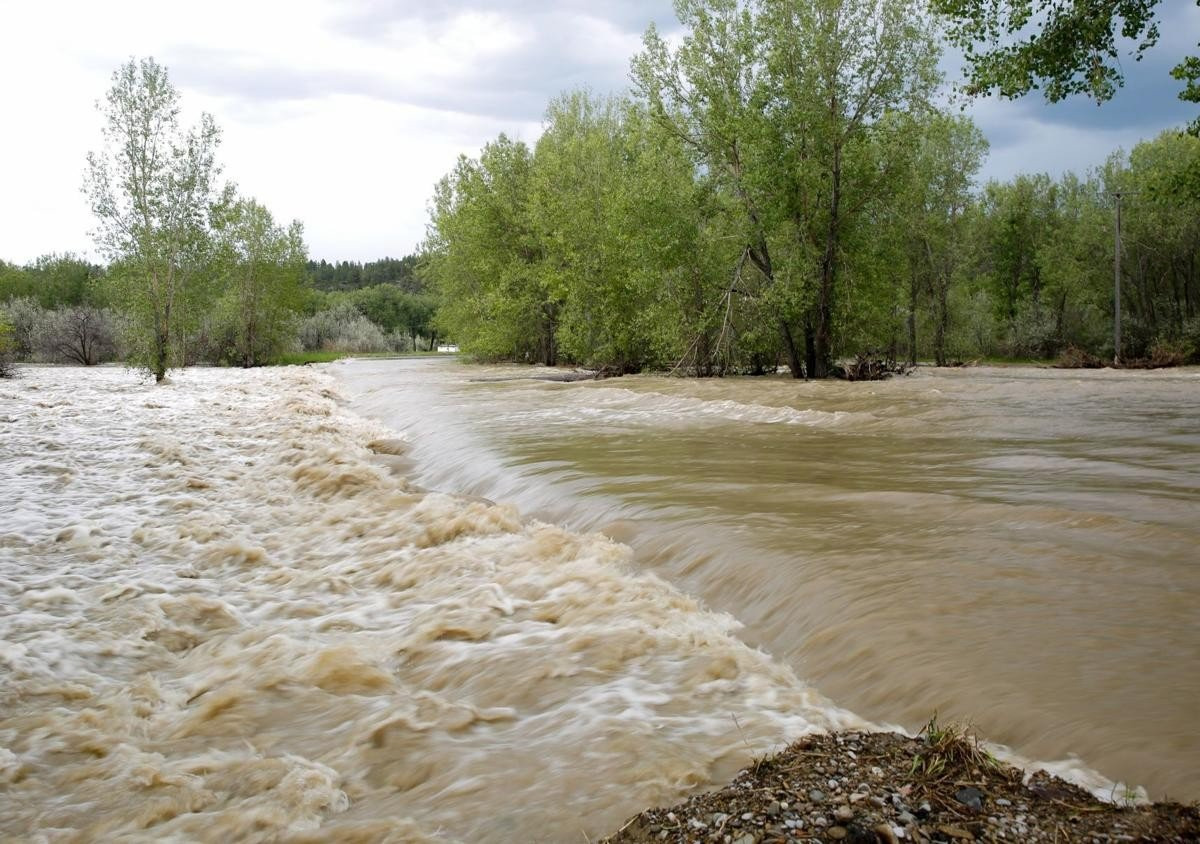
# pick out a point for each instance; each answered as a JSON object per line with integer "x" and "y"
{"x": 343, "y": 113}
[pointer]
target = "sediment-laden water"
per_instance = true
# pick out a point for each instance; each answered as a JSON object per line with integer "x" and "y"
{"x": 228, "y": 615}
{"x": 1018, "y": 547}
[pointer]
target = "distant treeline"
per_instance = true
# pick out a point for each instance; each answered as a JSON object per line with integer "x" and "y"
{"x": 352, "y": 275}
{"x": 194, "y": 272}
{"x": 64, "y": 309}
{"x": 783, "y": 188}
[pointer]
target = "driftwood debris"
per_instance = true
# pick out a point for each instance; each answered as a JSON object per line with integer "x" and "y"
{"x": 563, "y": 377}
{"x": 870, "y": 367}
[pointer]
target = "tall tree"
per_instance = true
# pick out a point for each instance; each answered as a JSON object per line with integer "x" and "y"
{"x": 265, "y": 271}
{"x": 800, "y": 107}
{"x": 485, "y": 258}
{"x": 151, "y": 188}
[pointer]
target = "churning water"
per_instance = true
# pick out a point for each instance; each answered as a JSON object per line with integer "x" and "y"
{"x": 1017, "y": 547}
{"x": 229, "y": 615}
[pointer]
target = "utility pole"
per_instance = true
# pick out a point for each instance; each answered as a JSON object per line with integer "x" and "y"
{"x": 1117, "y": 194}
{"x": 1117, "y": 286}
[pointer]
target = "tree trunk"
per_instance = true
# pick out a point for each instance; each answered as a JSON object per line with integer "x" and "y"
{"x": 912, "y": 318}
{"x": 795, "y": 364}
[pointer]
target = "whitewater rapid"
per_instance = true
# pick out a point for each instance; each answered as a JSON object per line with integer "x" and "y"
{"x": 230, "y": 616}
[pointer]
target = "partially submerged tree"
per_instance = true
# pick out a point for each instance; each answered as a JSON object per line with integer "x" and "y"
{"x": 151, "y": 188}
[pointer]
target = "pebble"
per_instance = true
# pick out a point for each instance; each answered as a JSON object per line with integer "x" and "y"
{"x": 816, "y": 796}
{"x": 906, "y": 818}
{"x": 972, "y": 798}
{"x": 833, "y": 785}
{"x": 1002, "y": 802}
{"x": 863, "y": 787}
{"x": 844, "y": 813}
{"x": 877, "y": 802}
{"x": 837, "y": 833}
{"x": 884, "y": 834}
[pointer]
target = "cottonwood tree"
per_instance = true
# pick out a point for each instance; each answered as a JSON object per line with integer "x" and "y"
{"x": 486, "y": 255}
{"x": 949, "y": 152}
{"x": 264, "y": 271}
{"x": 800, "y": 108}
{"x": 151, "y": 188}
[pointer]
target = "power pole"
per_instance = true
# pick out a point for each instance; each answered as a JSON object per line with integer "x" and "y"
{"x": 1117, "y": 287}
{"x": 1118, "y": 194}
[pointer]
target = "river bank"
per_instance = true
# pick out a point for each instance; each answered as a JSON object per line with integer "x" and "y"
{"x": 882, "y": 788}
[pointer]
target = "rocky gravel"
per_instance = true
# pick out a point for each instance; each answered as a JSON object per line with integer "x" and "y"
{"x": 884, "y": 788}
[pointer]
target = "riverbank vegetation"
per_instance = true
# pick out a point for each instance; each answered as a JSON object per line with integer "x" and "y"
{"x": 196, "y": 272}
{"x": 787, "y": 186}
{"x": 784, "y": 187}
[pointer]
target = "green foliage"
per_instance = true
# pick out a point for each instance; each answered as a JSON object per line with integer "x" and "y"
{"x": 486, "y": 258}
{"x": 351, "y": 275}
{"x": 7, "y": 348}
{"x": 263, "y": 268}
{"x": 151, "y": 188}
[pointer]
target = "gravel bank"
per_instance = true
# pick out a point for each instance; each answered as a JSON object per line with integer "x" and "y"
{"x": 879, "y": 788}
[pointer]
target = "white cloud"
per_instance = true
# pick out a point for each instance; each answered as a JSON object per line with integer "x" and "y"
{"x": 344, "y": 114}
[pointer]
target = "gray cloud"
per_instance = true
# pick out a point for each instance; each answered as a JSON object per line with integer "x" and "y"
{"x": 512, "y": 85}
{"x": 376, "y": 19}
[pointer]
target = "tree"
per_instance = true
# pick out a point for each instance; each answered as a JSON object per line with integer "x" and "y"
{"x": 151, "y": 189}
{"x": 802, "y": 110}
{"x": 265, "y": 272}
{"x": 949, "y": 152}
{"x": 485, "y": 258}
{"x": 1064, "y": 46}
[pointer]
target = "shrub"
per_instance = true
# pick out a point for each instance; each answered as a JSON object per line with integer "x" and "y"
{"x": 82, "y": 335}
{"x": 342, "y": 329}
{"x": 7, "y": 346}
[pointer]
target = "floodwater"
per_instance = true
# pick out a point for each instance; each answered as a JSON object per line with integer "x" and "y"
{"x": 1015, "y": 547}
{"x": 234, "y": 610}
{"x": 229, "y": 616}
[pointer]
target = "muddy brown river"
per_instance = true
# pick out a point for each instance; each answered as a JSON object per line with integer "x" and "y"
{"x": 1015, "y": 547}
{"x": 419, "y": 601}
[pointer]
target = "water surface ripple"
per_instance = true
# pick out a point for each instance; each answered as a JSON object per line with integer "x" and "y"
{"x": 1018, "y": 547}
{"x": 228, "y": 615}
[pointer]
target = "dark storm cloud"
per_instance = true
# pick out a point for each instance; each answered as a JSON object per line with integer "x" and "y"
{"x": 1147, "y": 103}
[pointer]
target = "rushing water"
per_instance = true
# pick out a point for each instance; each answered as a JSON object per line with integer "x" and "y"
{"x": 1017, "y": 547}
{"x": 228, "y": 615}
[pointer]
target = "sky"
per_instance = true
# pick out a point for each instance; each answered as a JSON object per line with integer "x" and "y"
{"x": 344, "y": 113}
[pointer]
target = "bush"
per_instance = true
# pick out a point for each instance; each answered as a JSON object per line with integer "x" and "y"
{"x": 342, "y": 329}
{"x": 1073, "y": 357}
{"x": 25, "y": 318}
{"x": 83, "y": 335}
{"x": 7, "y": 346}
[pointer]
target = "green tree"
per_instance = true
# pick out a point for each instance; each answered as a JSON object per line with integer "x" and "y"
{"x": 949, "y": 153}
{"x": 485, "y": 258}
{"x": 801, "y": 110}
{"x": 151, "y": 189}
{"x": 265, "y": 274}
